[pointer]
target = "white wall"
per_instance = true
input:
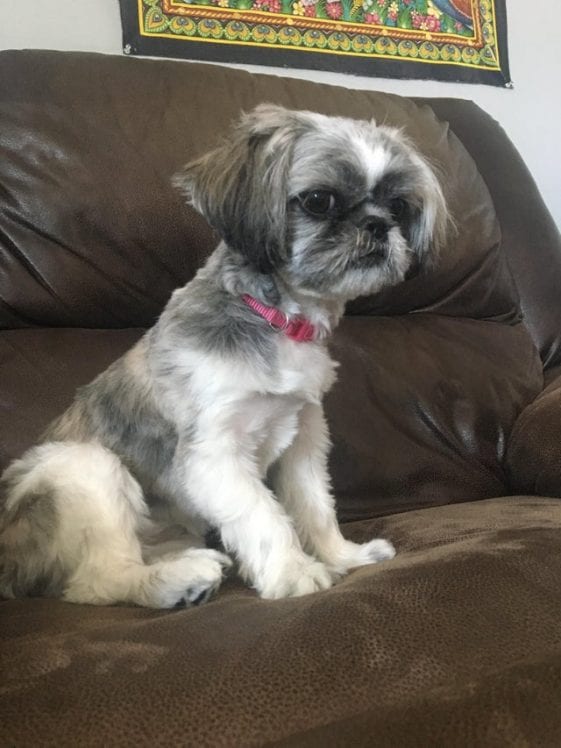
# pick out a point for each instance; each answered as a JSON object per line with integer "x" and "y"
{"x": 530, "y": 113}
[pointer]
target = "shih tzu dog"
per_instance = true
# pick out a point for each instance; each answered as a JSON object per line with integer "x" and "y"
{"x": 214, "y": 418}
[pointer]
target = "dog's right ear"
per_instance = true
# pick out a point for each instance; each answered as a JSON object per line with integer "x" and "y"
{"x": 241, "y": 186}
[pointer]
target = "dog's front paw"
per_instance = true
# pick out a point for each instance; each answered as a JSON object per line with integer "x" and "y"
{"x": 374, "y": 551}
{"x": 350, "y": 555}
{"x": 298, "y": 578}
{"x": 209, "y": 565}
{"x": 191, "y": 577}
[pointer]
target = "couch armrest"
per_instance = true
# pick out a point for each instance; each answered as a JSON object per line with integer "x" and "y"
{"x": 534, "y": 451}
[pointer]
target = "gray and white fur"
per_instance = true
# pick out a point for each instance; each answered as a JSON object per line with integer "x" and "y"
{"x": 214, "y": 419}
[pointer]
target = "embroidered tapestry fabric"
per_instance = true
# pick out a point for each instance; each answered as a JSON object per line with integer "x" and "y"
{"x": 454, "y": 40}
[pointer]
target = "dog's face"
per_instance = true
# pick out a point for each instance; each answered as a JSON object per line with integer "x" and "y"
{"x": 334, "y": 207}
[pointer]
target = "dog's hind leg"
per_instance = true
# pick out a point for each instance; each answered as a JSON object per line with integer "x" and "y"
{"x": 90, "y": 551}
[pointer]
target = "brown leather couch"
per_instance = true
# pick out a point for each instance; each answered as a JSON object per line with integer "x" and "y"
{"x": 446, "y": 424}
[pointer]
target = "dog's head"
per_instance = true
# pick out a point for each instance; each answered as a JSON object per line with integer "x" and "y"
{"x": 334, "y": 207}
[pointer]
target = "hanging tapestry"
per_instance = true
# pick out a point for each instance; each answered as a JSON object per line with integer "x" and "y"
{"x": 453, "y": 40}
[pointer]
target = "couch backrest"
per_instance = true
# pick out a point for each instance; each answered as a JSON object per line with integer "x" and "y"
{"x": 92, "y": 233}
{"x": 530, "y": 237}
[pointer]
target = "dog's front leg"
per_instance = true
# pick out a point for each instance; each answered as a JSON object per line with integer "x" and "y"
{"x": 302, "y": 484}
{"x": 227, "y": 491}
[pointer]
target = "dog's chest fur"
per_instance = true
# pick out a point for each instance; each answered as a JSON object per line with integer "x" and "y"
{"x": 304, "y": 370}
{"x": 242, "y": 407}
{"x": 266, "y": 416}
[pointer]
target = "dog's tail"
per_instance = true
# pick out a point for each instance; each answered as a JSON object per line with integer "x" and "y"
{"x": 28, "y": 562}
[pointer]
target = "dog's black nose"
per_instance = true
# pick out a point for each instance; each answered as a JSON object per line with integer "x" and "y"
{"x": 376, "y": 227}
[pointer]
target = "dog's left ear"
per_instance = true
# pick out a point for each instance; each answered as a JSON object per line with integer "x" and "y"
{"x": 241, "y": 186}
{"x": 431, "y": 223}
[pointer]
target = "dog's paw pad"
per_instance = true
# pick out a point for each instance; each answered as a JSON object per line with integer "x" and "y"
{"x": 208, "y": 568}
{"x": 199, "y": 593}
{"x": 192, "y": 577}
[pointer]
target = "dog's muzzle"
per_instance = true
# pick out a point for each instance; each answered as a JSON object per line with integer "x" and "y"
{"x": 375, "y": 227}
{"x": 372, "y": 240}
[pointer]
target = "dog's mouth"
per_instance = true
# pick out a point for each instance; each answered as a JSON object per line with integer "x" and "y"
{"x": 374, "y": 253}
{"x": 371, "y": 249}
{"x": 377, "y": 253}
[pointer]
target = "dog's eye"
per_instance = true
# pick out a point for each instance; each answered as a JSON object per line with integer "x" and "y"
{"x": 398, "y": 207}
{"x": 319, "y": 202}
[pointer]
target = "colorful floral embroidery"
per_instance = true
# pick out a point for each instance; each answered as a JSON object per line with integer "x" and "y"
{"x": 461, "y": 33}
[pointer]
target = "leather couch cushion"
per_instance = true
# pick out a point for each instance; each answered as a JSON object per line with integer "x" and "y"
{"x": 455, "y": 641}
{"x": 423, "y": 409}
{"x": 534, "y": 450}
{"x": 530, "y": 237}
{"x": 39, "y": 373}
{"x": 93, "y": 234}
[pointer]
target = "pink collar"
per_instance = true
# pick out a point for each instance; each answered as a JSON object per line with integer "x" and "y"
{"x": 298, "y": 328}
